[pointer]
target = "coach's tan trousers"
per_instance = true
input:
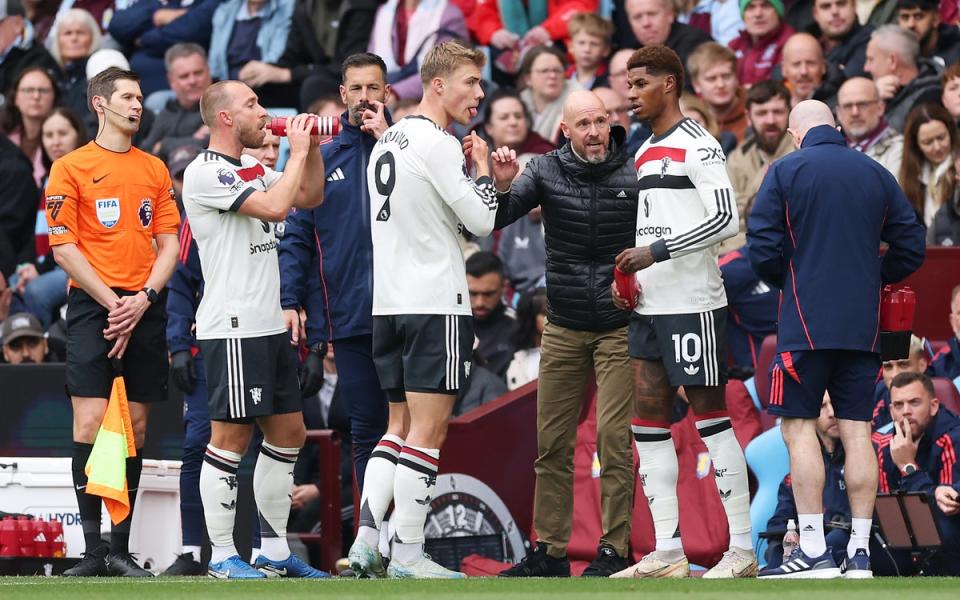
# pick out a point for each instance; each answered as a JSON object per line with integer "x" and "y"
{"x": 568, "y": 357}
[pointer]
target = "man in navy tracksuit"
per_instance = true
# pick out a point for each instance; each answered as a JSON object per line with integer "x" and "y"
{"x": 329, "y": 249}
{"x": 815, "y": 233}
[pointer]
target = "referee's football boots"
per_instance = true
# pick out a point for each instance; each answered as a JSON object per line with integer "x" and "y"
{"x": 91, "y": 563}
{"x": 124, "y": 565}
{"x": 185, "y": 565}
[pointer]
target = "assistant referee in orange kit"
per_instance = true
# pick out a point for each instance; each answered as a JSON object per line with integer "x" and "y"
{"x": 113, "y": 228}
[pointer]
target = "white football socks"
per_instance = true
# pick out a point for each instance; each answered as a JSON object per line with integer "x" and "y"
{"x": 859, "y": 536}
{"x": 812, "y": 541}
{"x": 378, "y": 483}
{"x": 218, "y": 492}
{"x": 413, "y": 485}
{"x": 730, "y": 474}
{"x": 658, "y": 471}
{"x": 272, "y": 486}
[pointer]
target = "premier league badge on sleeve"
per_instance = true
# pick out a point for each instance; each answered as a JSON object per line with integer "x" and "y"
{"x": 146, "y": 212}
{"x": 225, "y": 177}
{"x": 108, "y": 211}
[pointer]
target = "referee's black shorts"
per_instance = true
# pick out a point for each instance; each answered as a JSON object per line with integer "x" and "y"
{"x": 89, "y": 371}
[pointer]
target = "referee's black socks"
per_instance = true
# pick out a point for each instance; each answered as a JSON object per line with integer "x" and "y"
{"x": 89, "y": 505}
{"x": 120, "y": 534}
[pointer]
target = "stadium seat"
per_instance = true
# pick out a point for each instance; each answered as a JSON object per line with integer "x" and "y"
{"x": 768, "y": 459}
{"x": 947, "y": 394}
{"x": 768, "y": 350}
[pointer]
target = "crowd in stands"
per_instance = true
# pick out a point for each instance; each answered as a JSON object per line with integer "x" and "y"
{"x": 889, "y": 68}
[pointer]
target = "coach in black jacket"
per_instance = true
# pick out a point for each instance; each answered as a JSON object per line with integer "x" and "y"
{"x": 588, "y": 192}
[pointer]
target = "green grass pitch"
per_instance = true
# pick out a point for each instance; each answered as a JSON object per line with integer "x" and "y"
{"x": 39, "y": 588}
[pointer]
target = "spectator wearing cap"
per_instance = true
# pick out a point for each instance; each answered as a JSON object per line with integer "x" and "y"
{"x": 713, "y": 74}
{"x": 179, "y": 123}
{"x": 147, "y": 29}
{"x": 842, "y": 37}
{"x": 860, "y": 112}
{"x": 761, "y": 42}
{"x": 938, "y": 41}
{"x": 19, "y": 47}
{"x": 904, "y": 79}
{"x": 23, "y": 340}
{"x": 654, "y": 23}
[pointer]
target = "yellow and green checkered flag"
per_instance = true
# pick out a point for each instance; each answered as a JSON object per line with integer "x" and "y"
{"x": 106, "y": 468}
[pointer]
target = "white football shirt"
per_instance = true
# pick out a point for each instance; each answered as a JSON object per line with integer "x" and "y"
{"x": 238, "y": 254}
{"x": 421, "y": 198}
{"x": 686, "y": 208}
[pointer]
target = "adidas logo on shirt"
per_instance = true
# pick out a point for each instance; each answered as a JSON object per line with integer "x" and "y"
{"x": 622, "y": 194}
{"x": 337, "y": 175}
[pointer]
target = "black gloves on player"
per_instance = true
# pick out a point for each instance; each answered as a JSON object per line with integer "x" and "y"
{"x": 311, "y": 371}
{"x": 184, "y": 371}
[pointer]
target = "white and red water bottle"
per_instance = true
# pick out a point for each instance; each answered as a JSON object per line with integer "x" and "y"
{"x": 321, "y": 126}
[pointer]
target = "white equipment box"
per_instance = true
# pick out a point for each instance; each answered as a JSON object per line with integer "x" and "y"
{"x": 43, "y": 487}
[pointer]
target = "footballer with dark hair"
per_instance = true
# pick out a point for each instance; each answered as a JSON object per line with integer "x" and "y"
{"x": 676, "y": 337}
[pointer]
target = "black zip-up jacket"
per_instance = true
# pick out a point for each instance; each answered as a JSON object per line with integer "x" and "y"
{"x": 589, "y": 216}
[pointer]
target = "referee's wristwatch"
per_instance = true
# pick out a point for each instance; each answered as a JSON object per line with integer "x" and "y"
{"x": 152, "y": 295}
{"x": 908, "y": 469}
